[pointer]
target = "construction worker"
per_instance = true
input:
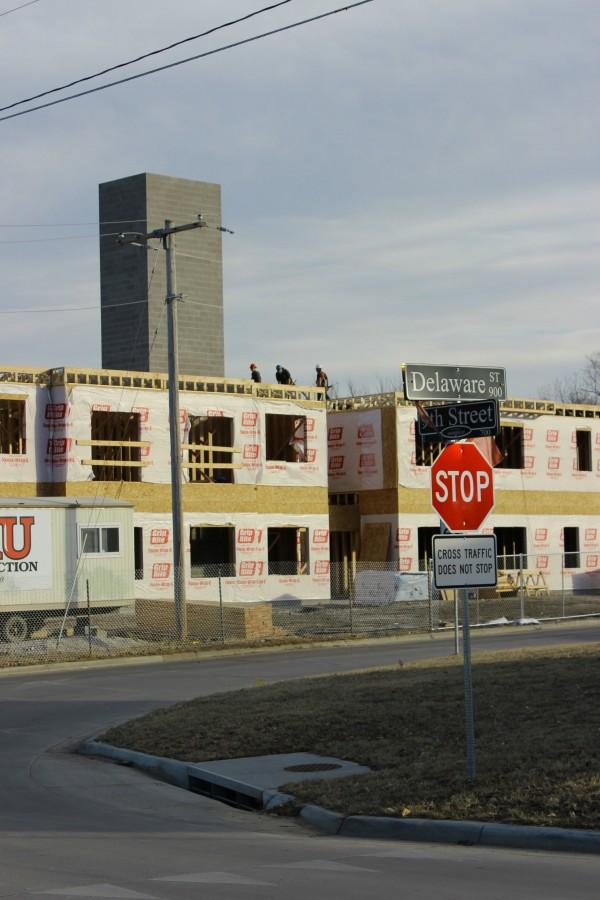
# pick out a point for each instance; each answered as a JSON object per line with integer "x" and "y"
{"x": 254, "y": 373}
{"x": 322, "y": 380}
{"x": 282, "y": 375}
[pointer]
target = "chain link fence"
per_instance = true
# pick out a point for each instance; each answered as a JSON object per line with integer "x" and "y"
{"x": 99, "y": 618}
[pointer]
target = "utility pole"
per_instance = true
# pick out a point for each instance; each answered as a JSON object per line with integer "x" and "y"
{"x": 166, "y": 235}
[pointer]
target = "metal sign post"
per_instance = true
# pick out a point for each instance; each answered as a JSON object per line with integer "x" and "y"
{"x": 461, "y": 561}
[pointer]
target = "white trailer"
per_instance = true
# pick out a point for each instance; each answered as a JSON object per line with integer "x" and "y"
{"x": 58, "y": 555}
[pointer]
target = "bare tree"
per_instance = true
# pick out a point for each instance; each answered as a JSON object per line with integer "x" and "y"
{"x": 579, "y": 387}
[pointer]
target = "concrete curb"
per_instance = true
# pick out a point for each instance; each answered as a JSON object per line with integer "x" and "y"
{"x": 193, "y": 777}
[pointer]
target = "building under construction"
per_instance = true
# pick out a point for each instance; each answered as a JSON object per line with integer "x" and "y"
{"x": 547, "y": 509}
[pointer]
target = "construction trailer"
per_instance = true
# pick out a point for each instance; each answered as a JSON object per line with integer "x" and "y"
{"x": 547, "y": 508}
{"x": 62, "y": 556}
{"x": 254, "y": 473}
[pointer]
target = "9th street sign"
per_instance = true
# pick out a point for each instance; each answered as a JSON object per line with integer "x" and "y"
{"x": 455, "y": 421}
{"x": 423, "y": 382}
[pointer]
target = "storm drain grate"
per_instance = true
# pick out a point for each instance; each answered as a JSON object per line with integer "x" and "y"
{"x": 229, "y": 795}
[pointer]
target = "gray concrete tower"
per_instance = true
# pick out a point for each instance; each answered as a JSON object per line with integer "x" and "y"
{"x": 134, "y": 335}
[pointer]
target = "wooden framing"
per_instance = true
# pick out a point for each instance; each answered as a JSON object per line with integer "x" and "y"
{"x": 158, "y": 381}
{"x": 209, "y": 461}
{"x": 116, "y": 446}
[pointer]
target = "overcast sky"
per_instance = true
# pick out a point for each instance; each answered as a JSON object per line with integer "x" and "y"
{"x": 408, "y": 181}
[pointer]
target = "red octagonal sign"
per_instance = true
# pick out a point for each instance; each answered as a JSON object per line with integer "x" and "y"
{"x": 462, "y": 487}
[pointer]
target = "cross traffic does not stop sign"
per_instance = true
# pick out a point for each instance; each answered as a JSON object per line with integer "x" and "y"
{"x": 462, "y": 487}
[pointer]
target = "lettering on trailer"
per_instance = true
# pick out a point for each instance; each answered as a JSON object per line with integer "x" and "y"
{"x": 475, "y": 419}
{"x": 424, "y": 382}
{"x": 25, "y": 550}
{"x": 464, "y": 561}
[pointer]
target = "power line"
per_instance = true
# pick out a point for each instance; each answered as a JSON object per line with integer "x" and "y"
{"x": 130, "y": 62}
{"x": 72, "y": 224}
{"x": 181, "y": 62}
{"x": 7, "y": 12}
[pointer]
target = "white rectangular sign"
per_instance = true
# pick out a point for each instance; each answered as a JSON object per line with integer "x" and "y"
{"x": 464, "y": 560}
{"x": 25, "y": 549}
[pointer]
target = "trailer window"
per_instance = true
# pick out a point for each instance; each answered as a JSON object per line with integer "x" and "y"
{"x": 12, "y": 427}
{"x": 99, "y": 540}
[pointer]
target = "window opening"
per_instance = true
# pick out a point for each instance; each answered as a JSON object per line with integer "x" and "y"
{"x": 510, "y": 443}
{"x": 210, "y": 449}
{"x": 427, "y": 450}
{"x": 286, "y": 437}
{"x": 212, "y": 551}
{"x": 288, "y": 551}
{"x": 511, "y": 543}
{"x": 138, "y": 552}
{"x": 571, "y": 547}
{"x": 584, "y": 451}
{"x": 114, "y": 454}
{"x": 12, "y": 427}
{"x": 425, "y": 547}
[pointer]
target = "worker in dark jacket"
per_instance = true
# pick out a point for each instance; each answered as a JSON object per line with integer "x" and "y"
{"x": 254, "y": 373}
{"x": 322, "y": 380}
{"x": 282, "y": 375}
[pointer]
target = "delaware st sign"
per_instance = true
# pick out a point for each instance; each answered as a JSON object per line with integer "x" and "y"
{"x": 424, "y": 382}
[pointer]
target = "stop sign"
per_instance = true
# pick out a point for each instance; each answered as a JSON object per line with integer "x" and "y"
{"x": 462, "y": 487}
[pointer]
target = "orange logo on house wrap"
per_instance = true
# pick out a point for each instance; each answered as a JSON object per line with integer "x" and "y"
{"x": 591, "y": 561}
{"x": 320, "y": 535}
{"x": 366, "y": 432}
{"x": 159, "y": 536}
{"x": 334, "y": 434}
{"x": 249, "y": 419}
{"x": 553, "y": 463}
{"x": 249, "y": 535}
{"x": 251, "y": 451}
{"x": 590, "y": 535}
{"x": 552, "y": 436}
{"x": 161, "y": 570}
{"x": 54, "y": 412}
{"x": 403, "y": 535}
{"x": 336, "y": 463}
{"x": 142, "y": 411}
{"x": 321, "y": 567}
{"x": 250, "y": 568}
{"x": 540, "y": 535}
{"x": 405, "y": 564}
{"x": 311, "y": 455}
{"x": 366, "y": 461}
{"x": 101, "y": 407}
{"x": 541, "y": 562}
{"x": 59, "y": 446}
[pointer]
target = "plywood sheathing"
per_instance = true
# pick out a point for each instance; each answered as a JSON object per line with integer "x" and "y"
{"x": 522, "y": 503}
{"x": 344, "y": 518}
{"x": 375, "y": 542}
{"x": 377, "y": 503}
{"x": 204, "y": 620}
{"x": 389, "y": 447}
{"x": 261, "y": 498}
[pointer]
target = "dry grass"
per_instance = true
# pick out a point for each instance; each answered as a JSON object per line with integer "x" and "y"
{"x": 537, "y": 723}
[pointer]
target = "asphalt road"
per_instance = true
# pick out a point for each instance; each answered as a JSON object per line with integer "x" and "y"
{"x": 75, "y": 827}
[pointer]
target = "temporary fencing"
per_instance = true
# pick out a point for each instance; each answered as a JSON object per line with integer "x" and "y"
{"x": 359, "y": 599}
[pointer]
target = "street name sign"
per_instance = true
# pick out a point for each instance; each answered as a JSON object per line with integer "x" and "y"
{"x": 424, "y": 382}
{"x": 462, "y": 487}
{"x": 478, "y": 418}
{"x": 461, "y": 561}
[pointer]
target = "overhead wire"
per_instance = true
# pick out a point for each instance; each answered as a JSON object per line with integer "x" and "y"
{"x": 130, "y": 62}
{"x": 188, "y": 59}
{"x": 7, "y": 12}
